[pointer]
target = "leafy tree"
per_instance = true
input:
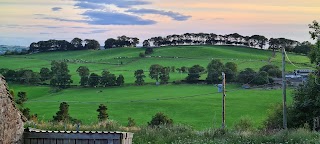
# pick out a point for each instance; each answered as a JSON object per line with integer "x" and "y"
{"x": 315, "y": 51}
{"x": 160, "y": 119}
{"x": 77, "y": 43}
{"x": 232, "y": 66}
{"x": 304, "y": 48}
{"x": 61, "y": 77}
{"x": 272, "y": 70}
{"x": 261, "y": 78}
{"x": 108, "y": 79}
{"x": 110, "y": 43}
{"x": 215, "y": 69}
{"x": 139, "y": 75}
{"x": 146, "y": 43}
{"x": 22, "y": 98}
{"x": 28, "y": 77}
{"x": 164, "y": 75}
{"x": 45, "y": 74}
{"x": 91, "y": 44}
{"x": 102, "y": 110}
{"x": 155, "y": 71}
{"x": 83, "y": 72}
{"x": 120, "y": 80}
{"x": 194, "y": 73}
{"x": 63, "y": 114}
{"x": 148, "y": 51}
{"x": 231, "y": 70}
{"x": 94, "y": 80}
{"x": 184, "y": 69}
{"x": 246, "y": 76}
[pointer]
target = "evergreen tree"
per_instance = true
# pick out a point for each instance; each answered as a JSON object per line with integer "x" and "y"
{"x": 63, "y": 114}
{"x": 102, "y": 110}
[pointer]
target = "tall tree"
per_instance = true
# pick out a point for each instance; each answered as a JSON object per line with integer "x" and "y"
{"x": 194, "y": 73}
{"x": 214, "y": 68}
{"x": 94, "y": 80}
{"x": 83, "y": 72}
{"x": 92, "y": 44}
{"x": 63, "y": 114}
{"x": 246, "y": 76}
{"x": 155, "y": 71}
{"x": 45, "y": 74}
{"x": 231, "y": 70}
{"x": 164, "y": 75}
{"x": 108, "y": 79}
{"x": 315, "y": 34}
{"x": 139, "y": 75}
{"x": 22, "y": 98}
{"x": 146, "y": 43}
{"x": 77, "y": 43}
{"x": 110, "y": 43}
{"x": 61, "y": 77}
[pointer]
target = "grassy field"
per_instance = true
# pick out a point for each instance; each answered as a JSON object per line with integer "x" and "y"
{"x": 195, "y": 105}
{"x": 188, "y": 56}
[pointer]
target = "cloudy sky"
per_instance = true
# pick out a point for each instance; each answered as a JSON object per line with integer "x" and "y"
{"x": 26, "y": 21}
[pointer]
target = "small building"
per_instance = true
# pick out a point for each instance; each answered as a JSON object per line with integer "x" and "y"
{"x": 32, "y": 136}
{"x": 303, "y": 72}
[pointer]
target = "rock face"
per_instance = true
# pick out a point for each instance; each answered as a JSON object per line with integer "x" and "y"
{"x": 11, "y": 119}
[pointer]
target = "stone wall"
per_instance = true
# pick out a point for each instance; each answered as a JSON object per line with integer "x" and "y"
{"x": 11, "y": 119}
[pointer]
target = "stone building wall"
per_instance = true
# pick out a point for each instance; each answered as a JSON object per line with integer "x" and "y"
{"x": 11, "y": 119}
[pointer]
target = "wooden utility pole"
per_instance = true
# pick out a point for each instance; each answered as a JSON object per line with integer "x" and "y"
{"x": 284, "y": 87}
{"x": 223, "y": 100}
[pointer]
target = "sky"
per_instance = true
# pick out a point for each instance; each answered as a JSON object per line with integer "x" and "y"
{"x": 25, "y": 21}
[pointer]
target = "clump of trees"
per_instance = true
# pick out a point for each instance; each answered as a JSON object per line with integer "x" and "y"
{"x": 158, "y": 72}
{"x": 22, "y": 76}
{"x": 121, "y": 41}
{"x": 106, "y": 79}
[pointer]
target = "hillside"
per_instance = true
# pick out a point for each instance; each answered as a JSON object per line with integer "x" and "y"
{"x": 195, "y": 105}
{"x": 111, "y": 59}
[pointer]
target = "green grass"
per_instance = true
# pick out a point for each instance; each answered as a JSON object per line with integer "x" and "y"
{"x": 188, "y": 56}
{"x": 195, "y": 105}
{"x": 201, "y": 110}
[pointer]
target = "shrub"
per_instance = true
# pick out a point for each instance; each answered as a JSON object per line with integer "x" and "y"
{"x": 243, "y": 124}
{"x": 160, "y": 119}
{"x": 131, "y": 122}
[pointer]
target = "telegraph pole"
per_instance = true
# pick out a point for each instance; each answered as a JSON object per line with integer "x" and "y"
{"x": 284, "y": 87}
{"x": 223, "y": 100}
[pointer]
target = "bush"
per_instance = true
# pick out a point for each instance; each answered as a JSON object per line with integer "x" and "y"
{"x": 131, "y": 122}
{"x": 244, "y": 124}
{"x": 160, "y": 119}
{"x": 142, "y": 55}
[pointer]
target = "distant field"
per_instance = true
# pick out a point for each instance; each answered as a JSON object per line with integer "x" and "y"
{"x": 110, "y": 59}
{"x": 195, "y": 105}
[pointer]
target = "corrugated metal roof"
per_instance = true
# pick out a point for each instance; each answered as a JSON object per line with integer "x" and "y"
{"x": 85, "y": 132}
